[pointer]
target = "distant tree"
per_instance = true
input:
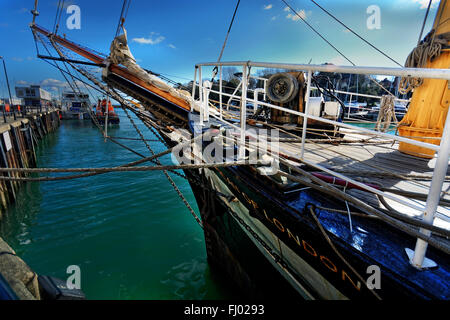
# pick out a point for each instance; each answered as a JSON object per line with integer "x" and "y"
{"x": 229, "y": 73}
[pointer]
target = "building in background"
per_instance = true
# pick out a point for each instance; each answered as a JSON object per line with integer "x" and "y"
{"x": 34, "y": 96}
{"x": 14, "y": 101}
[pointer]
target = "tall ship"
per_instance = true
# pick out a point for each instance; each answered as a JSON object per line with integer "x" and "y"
{"x": 297, "y": 200}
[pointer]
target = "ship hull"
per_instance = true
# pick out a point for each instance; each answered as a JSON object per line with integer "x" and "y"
{"x": 272, "y": 252}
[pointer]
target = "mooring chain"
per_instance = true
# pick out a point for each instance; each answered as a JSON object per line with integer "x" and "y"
{"x": 145, "y": 141}
{"x": 123, "y": 103}
{"x": 175, "y": 187}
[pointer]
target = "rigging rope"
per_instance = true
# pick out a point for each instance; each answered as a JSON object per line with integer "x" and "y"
{"x": 336, "y": 251}
{"x": 424, "y": 22}
{"x": 317, "y": 32}
{"x": 331, "y": 45}
{"x": 427, "y": 50}
{"x": 58, "y": 18}
{"x": 386, "y": 113}
{"x": 226, "y": 40}
{"x": 360, "y": 37}
{"x": 228, "y": 32}
{"x": 123, "y": 15}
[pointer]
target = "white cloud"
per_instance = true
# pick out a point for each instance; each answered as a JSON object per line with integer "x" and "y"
{"x": 268, "y": 7}
{"x": 424, "y": 3}
{"x": 53, "y": 83}
{"x": 300, "y": 14}
{"x": 153, "y": 39}
{"x": 274, "y": 18}
{"x": 287, "y": 9}
{"x": 172, "y": 46}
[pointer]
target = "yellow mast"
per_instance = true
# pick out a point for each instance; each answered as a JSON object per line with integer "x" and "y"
{"x": 430, "y": 101}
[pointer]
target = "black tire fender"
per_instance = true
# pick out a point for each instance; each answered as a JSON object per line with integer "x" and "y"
{"x": 282, "y": 87}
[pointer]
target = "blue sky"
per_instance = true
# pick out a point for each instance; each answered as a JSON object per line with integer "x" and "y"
{"x": 169, "y": 37}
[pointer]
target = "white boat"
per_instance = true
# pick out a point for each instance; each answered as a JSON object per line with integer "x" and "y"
{"x": 74, "y": 106}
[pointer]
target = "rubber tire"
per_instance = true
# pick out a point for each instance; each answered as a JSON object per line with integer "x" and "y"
{"x": 282, "y": 87}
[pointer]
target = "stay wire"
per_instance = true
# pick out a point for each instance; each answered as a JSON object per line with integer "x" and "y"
{"x": 356, "y": 34}
{"x": 318, "y": 33}
{"x": 59, "y": 19}
{"x": 226, "y": 40}
{"x": 331, "y": 45}
{"x": 424, "y": 22}
{"x": 57, "y": 14}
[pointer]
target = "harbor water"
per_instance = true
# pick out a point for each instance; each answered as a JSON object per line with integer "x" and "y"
{"x": 129, "y": 233}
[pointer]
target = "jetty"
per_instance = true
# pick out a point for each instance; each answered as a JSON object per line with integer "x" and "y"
{"x": 19, "y": 136}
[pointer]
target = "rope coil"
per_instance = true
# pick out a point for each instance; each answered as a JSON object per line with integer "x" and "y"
{"x": 429, "y": 48}
{"x": 386, "y": 113}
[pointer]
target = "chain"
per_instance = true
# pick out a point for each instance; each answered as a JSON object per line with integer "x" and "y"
{"x": 175, "y": 187}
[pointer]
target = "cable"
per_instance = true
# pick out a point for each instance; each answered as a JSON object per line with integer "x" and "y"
{"x": 336, "y": 251}
{"x": 123, "y": 15}
{"x": 56, "y": 17}
{"x": 337, "y": 50}
{"x": 424, "y": 22}
{"x": 317, "y": 32}
{"x": 229, "y": 30}
{"x": 349, "y": 29}
{"x": 215, "y": 70}
{"x": 59, "y": 18}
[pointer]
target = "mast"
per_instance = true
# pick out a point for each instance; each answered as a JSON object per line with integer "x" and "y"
{"x": 430, "y": 100}
{"x": 428, "y": 117}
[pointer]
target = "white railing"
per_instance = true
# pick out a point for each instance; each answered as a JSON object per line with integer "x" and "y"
{"x": 356, "y": 94}
{"x": 439, "y": 174}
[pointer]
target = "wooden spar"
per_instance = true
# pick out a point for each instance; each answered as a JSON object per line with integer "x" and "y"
{"x": 130, "y": 77}
{"x": 69, "y": 45}
{"x": 120, "y": 71}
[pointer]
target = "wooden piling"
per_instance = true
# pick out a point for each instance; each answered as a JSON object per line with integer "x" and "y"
{"x": 17, "y": 148}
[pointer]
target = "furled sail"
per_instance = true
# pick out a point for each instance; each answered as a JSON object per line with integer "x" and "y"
{"x": 120, "y": 54}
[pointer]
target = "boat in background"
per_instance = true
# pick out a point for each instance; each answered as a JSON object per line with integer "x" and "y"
{"x": 334, "y": 212}
{"x": 104, "y": 112}
{"x": 73, "y": 106}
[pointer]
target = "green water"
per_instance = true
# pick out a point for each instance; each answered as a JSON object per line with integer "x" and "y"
{"x": 129, "y": 233}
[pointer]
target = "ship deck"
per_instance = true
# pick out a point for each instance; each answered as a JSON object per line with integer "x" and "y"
{"x": 379, "y": 164}
{"x": 366, "y": 159}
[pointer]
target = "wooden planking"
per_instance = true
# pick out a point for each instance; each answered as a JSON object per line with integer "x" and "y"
{"x": 377, "y": 159}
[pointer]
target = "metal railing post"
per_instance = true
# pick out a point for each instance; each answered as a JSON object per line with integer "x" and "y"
{"x": 200, "y": 93}
{"x": 305, "y": 118}
{"x": 350, "y": 106}
{"x": 220, "y": 90}
{"x": 243, "y": 112}
{"x": 434, "y": 196}
{"x": 194, "y": 86}
{"x": 255, "y": 98}
{"x": 206, "y": 90}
